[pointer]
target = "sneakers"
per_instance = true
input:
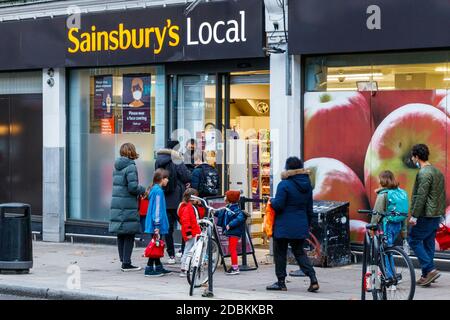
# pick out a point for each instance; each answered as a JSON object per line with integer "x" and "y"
{"x": 150, "y": 272}
{"x": 277, "y": 286}
{"x": 129, "y": 267}
{"x": 161, "y": 269}
{"x": 431, "y": 276}
{"x": 179, "y": 254}
{"x": 313, "y": 287}
{"x": 421, "y": 281}
{"x": 232, "y": 272}
{"x": 297, "y": 273}
{"x": 171, "y": 260}
{"x": 183, "y": 274}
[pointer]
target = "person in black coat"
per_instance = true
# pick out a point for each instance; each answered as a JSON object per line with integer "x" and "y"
{"x": 293, "y": 205}
{"x": 179, "y": 177}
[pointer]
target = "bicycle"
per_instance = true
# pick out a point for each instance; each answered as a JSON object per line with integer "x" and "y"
{"x": 387, "y": 272}
{"x": 198, "y": 259}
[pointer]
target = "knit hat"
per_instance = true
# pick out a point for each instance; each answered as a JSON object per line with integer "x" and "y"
{"x": 233, "y": 196}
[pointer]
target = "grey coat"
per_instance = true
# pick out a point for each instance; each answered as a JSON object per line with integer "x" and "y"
{"x": 124, "y": 206}
{"x": 183, "y": 175}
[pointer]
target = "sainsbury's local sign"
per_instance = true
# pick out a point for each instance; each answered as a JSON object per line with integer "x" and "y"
{"x": 214, "y": 30}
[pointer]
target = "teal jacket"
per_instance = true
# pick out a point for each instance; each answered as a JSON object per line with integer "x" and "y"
{"x": 157, "y": 212}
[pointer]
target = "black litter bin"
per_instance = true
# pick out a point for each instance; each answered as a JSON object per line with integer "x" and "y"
{"x": 331, "y": 229}
{"x": 16, "y": 248}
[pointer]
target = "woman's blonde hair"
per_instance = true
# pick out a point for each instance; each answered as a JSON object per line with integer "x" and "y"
{"x": 128, "y": 150}
{"x": 387, "y": 180}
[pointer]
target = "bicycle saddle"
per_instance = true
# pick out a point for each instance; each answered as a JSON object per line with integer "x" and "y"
{"x": 372, "y": 226}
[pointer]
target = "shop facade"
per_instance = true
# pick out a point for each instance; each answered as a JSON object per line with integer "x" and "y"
{"x": 141, "y": 75}
{"x": 373, "y": 87}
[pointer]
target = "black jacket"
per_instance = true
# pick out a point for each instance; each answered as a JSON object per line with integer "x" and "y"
{"x": 183, "y": 175}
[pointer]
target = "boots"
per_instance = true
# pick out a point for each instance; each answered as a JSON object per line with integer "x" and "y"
{"x": 280, "y": 285}
{"x": 314, "y": 285}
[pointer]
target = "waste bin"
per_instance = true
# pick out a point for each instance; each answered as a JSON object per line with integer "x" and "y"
{"x": 16, "y": 248}
{"x": 331, "y": 229}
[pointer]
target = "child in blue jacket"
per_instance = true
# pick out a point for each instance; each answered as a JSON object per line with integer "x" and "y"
{"x": 233, "y": 226}
{"x": 157, "y": 223}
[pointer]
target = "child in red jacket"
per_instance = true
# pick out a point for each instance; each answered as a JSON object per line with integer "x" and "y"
{"x": 189, "y": 212}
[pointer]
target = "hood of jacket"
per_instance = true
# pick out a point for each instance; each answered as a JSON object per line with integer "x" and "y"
{"x": 123, "y": 162}
{"x": 300, "y": 177}
{"x": 167, "y": 155}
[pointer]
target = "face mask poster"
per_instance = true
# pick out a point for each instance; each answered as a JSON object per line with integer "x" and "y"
{"x": 136, "y": 103}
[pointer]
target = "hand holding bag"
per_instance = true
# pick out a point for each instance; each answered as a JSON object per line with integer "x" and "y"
{"x": 155, "y": 248}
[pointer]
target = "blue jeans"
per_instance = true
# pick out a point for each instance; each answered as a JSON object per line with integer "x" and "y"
{"x": 391, "y": 231}
{"x": 421, "y": 240}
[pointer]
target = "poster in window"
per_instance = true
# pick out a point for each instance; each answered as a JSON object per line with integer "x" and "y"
{"x": 103, "y": 106}
{"x": 136, "y": 103}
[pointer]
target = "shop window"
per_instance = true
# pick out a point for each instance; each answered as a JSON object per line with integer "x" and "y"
{"x": 378, "y": 72}
{"x": 108, "y": 107}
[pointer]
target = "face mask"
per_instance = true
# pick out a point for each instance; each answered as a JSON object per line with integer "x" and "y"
{"x": 137, "y": 95}
{"x": 418, "y": 165}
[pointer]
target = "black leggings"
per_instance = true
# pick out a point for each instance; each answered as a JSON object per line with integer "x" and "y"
{"x": 125, "y": 244}
{"x": 156, "y": 262}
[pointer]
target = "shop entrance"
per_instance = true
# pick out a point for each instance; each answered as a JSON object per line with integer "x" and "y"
{"x": 21, "y": 150}
{"x": 228, "y": 115}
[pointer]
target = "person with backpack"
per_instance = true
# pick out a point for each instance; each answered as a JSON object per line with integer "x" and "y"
{"x": 189, "y": 213}
{"x": 392, "y": 201}
{"x": 179, "y": 176}
{"x": 232, "y": 222}
{"x": 157, "y": 223}
{"x": 427, "y": 210}
{"x": 189, "y": 161}
{"x": 125, "y": 219}
{"x": 293, "y": 205}
{"x": 205, "y": 178}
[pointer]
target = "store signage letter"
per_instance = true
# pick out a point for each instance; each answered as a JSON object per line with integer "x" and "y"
{"x": 235, "y": 32}
{"x": 374, "y": 20}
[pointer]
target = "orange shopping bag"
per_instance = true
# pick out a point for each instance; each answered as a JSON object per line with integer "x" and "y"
{"x": 269, "y": 220}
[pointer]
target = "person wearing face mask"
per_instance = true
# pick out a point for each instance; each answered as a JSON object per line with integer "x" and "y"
{"x": 427, "y": 209}
{"x": 137, "y": 88}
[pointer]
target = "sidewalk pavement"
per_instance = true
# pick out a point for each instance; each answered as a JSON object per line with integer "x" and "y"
{"x": 101, "y": 278}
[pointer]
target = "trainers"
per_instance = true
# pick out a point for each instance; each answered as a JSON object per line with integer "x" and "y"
{"x": 179, "y": 254}
{"x": 171, "y": 260}
{"x": 183, "y": 274}
{"x": 150, "y": 272}
{"x": 297, "y": 273}
{"x": 232, "y": 272}
{"x": 129, "y": 267}
{"x": 421, "y": 281}
{"x": 313, "y": 287}
{"x": 431, "y": 276}
{"x": 161, "y": 269}
{"x": 277, "y": 286}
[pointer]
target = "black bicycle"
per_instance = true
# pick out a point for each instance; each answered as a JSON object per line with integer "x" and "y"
{"x": 387, "y": 271}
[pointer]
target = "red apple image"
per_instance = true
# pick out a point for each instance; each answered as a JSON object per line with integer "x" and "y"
{"x": 338, "y": 125}
{"x": 357, "y": 231}
{"x": 390, "y": 147}
{"x": 332, "y": 180}
{"x": 439, "y": 95}
{"x": 444, "y": 104}
{"x": 384, "y": 102}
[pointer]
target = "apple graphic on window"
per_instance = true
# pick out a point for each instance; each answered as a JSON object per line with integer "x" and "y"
{"x": 338, "y": 125}
{"x": 391, "y": 144}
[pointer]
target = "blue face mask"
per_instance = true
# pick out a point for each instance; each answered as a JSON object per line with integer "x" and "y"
{"x": 418, "y": 164}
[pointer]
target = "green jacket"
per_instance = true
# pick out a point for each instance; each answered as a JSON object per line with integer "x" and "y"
{"x": 125, "y": 218}
{"x": 428, "y": 197}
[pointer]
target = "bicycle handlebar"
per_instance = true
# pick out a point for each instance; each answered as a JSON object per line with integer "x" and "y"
{"x": 205, "y": 204}
{"x": 371, "y": 212}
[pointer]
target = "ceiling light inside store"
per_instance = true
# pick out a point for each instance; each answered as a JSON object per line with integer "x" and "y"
{"x": 446, "y": 79}
{"x": 352, "y": 75}
{"x": 442, "y": 69}
{"x": 351, "y": 78}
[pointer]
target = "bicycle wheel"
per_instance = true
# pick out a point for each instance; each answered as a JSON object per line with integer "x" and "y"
{"x": 195, "y": 278}
{"x": 398, "y": 277}
{"x": 202, "y": 270}
{"x": 192, "y": 281}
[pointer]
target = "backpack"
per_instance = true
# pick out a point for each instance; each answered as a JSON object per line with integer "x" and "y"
{"x": 209, "y": 184}
{"x": 172, "y": 185}
{"x": 397, "y": 205}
